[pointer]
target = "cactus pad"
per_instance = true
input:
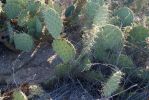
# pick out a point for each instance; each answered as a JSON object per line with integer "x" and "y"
{"x": 109, "y": 39}
{"x": 12, "y": 10}
{"x": 69, "y": 11}
{"x": 53, "y": 22}
{"x": 23, "y": 42}
{"x": 138, "y": 35}
{"x": 33, "y": 6}
{"x": 38, "y": 27}
{"x": 101, "y": 17}
{"x": 19, "y": 95}
{"x": 112, "y": 84}
{"x": 95, "y": 13}
{"x": 91, "y": 9}
{"x": 125, "y": 15}
{"x": 101, "y": 2}
{"x": 64, "y": 49}
{"x": 125, "y": 62}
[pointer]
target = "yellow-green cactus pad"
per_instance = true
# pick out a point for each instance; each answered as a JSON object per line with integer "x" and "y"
{"x": 23, "y": 42}
{"x": 112, "y": 84}
{"x": 19, "y": 95}
{"x": 53, "y": 22}
{"x": 64, "y": 49}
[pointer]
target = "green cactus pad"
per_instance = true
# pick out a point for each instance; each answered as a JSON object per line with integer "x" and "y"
{"x": 19, "y": 95}
{"x": 112, "y": 84}
{"x": 23, "y": 42}
{"x": 38, "y": 27}
{"x": 125, "y": 62}
{"x": 21, "y": 2}
{"x": 91, "y": 9}
{"x": 69, "y": 11}
{"x": 101, "y": 2}
{"x": 109, "y": 39}
{"x": 33, "y": 6}
{"x": 12, "y": 10}
{"x": 35, "y": 27}
{"x": 53, "y": 22}
{"x": 22, "y": 18}
{"x": 138, "y": 35}
{"x": 102, "y": 16}
{"x": 95, "y": 13}
{"x": 126, "y": 16}
{"x": 64, "y": 49}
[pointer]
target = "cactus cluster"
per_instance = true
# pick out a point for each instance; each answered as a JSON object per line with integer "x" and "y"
{"x": 33, "y": 16}
{"x": 104, "y": 44}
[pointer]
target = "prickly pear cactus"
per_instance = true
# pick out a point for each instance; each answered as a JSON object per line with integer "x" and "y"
{"x": 126, "y": 16}
{"x": 38, "y": 27}
{"x": 33, "y": 6}
{"x": 23, "y": 18}
{"x": 13, "y": 7}
{"x": 53, "y": 22}
{"x": 23, "y": 42}
{"x": 112, "y": 84}
{"x": 138, "y": 36}
{"x": 19, "y": 95}
{"x": 69, "y": 11}
{"x": 96, "y": 13}
{"x": 109, "y": 40}
{"x": 34, "y": 26}
{"x": 12, "y": 10}
{"x": 90, "y": 10}
{"x": 102, "y": 16}
{"x": 101, "y": 2}
{"x": 64, "y": 49}
{"x": 20, "y": 2}
{"x": 125, "y": 62}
